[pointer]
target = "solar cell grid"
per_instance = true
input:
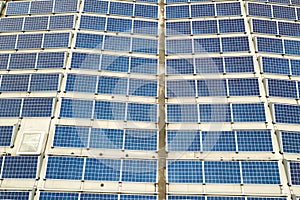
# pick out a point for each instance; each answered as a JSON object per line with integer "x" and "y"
{"x": 272, "y": 45}
{"x": 11, "y": 24}
{"x": 37, "y": 107}
{"x": 294, "y": 173}
{"x": 265, "y": 26}
{"x": 6, "y": 133}
{"x": 106, "y": 138}
{"x": 115, "y": 63}
{"x": 182, "y": 113}
{"x": 222, "y": 172}
{"x": 248, "y": 112}
{"x": 275, "y": 65}
{"x": 218, "y": 141}
{"x": 142, "y": 112}
{"x": 36, "y": 23}
{"x": 51, "y": 60}
{"x": 142, "y": 45}
{"x": 16, "y": 8}
{"x": 95, "y": 6}
{"x": 110, "y": 110}
{"x": 15, "y": 195}
{"x": 290, "y": 142}
{"x": 71, "y": 136}
{"x": 81, "y": 83}
{"x": 282, "y": 88}
{"x": 21, "y": 167}
{"x": 285, "y": 113}
{"x": 139, "y": 170}
{"x": 183, "y": 141}
{"x": 152, "y": 11}
{"x": 140, "y": 140}
{"x": 243, "y": 87}
{"x": 140, "y": 87}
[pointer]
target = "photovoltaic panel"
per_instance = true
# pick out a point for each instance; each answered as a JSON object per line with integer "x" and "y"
{"x": 81, "y": 83}
{"x": 40, "y": 7}
{"x": 287, "y": 113}
{"x": 16, "y": 8}
{"x": 56, "y": 40}
{"x": 11, "y": 24}
{"x": 152, "y": 11}
{"x": 106, "y": 110}
{"x": 7, "y": 42}
{"x": 58, "y": 195}
{"x": 115, "y": 63}
{"x": 248, "y": 112}
{"x": 21, "y": 167}
{"x": 14, "y": 82}
{"x": 275, "y": 65}
{"x": 61, "y": 22}
{"x": 96, "y": 6}
{"x": 15, "y": 195}
{"x": 74, "y": 108}
{"x": 141, "y": 140}
{"x": 138, "y": 197}
{"x": 222, "y": 172}
{"x": 6, "y": 133}
{"x": 290, "y": 141}
{"x": 218, "y": 141}
{"x": 44, "y": 82}
{"x": 120, "y": 8}
{"x": 254, "y": 140}
{"x": 4, "y": 61}
{"x": 65, "y": 6}
{"x": 106, "y": 138}
{"x": 50, "y": 60}
{"x": 71, "y": 136}
{"x": 282, "y": 88}
{"x": 142, "y": 112}
{"x": 183, "y": 141}
{"x": 89, "y": 196}
{"x": 36, "y": 23}
{"x": 85, "y": 61}
{"x": 184, "y": 171}
{"x": 30, "y": 41}
{"x": 10, "y": 107}
{"x": 139, "y": 170}
{"x": 294, "y": 173}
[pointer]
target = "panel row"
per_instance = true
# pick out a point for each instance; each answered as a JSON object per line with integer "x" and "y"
{"x": 286, "y": 113}
{"x": 205, "y": 27}
{"x": 223, "y": 172}
{"x": 26, "y": 107}
{"x": 87, "y": 137}
{"x": 110, "y": 24}
{"x": 29, "y": 82}
{"x": 116, "y": 43}
{"x": 80, "y": 168}
{"x": 224, "y": 198}
{"x": 216, "y": 112}
{"x": 121, "y": 8}
{"x": 283, "y": 88}
{"x": 108, "y": 110}
{"x": 117, "y": 63}
{"x": 210, "y": 65}
{"x": 88, "y": 196}
{"x": 54, "y": 22}
{"x": 213, "y": 87}
{"x": 278, "y": 46}
{"x": 207, "y": 45}
{"x": 34, "y": 41}
{"x": 288, "y": 2}
{"x": 203, "y": 10}
{"x": 41, "y": 7}
{"x": 32, "y": 60}
{"x": 273, "y": 11}
{"x": 280, "y": 66}
{"x": 290, "y": 141}
{"x": 209, "y": 141}
{"x": 276, "y": 27}
{"x": 111, "y": 85}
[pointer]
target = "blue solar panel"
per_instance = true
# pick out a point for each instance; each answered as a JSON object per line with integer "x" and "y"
{"x": 4, "y": 61}
{"x": 22, "y": 61}
{"x": 37, "y": 107}
{"x": 112, "y": 85}
{"x": 115, "y": 63}
{"x": 176, "y": 28}
{"x": 222, "y": 172}
{"x": 142, "y": 45}
{"x": 204, "y": 27}
{"x": 65, "y": 6}
{"x": 139, "y": 170}
{"x": 141, "y": 140}
{"x": 272, "y": 45}
{"x": 187, "y": 171}
{"x": 290, "y": 142}
{"x": 289, "y": 29}
{"x": 120, "y": 8}
{"x": 142, "y": 87}
{"x": 30, "y": 41}
{"x": 260, "y": 172}
{"x": 248, "y": 112}
{"x": 295, "y": 70}
{"x": 10, "y": 107}
{"x": 6, "y": 133}
{"x": 11, "y": 24}
{"x": 182, "y": 113}
{"x": 117, "y": 43}
{"x": 14, "y": 82}
{"x": 71, "y": 136}
{"x": 109, "y": 110}
{"x": 44, "y": 82}
{"x": 183, "y": 46}
{"x": 95, "y": 6}
{"x": 212, "y": 87}
{"x": 21, "y": 167}
{"x": 181, "y": 88}
{"x": 89, "y": 196}
{"x": 243, "y": 87}
{"x": 285, "y": 113}
{"x": 106, "y": 138}
{"x": 16, "y": 8}
{"x": 85, "y": 40}
{"x": 264, "y": 26}
{"x": 209, "y": 65}
{"x": 152, "y": 11}
{"x": 292, "y": 47}
{"x": 282, "y": 88}
{"x": 232, "y": 44}
{"x": 263, "y": 10}
{"x": 36, "y": 23}
{"x": 239, "y": 64}
{"x": 142, "y": 112}
{"x": 56, "y": 40}
{"x": 186, "y": 198}
{"x": 228, "y": 9}
{"x": 215, "y": 113}
{"x": 102, "y": 169}
{"x": 51, "y": 60}
{"x": 15, "y": 195}
{"x": 59, "y": 167}
{"x": 295, "y": 172}
{"x": 204, "y": 45}
{"x": 178, "y": 12}
{"x": 183, "y": 141}
{"x": 145, "y": 27}
{"x": 180, "y": 66}
{"x": 119, "y": 25}
{"x": 275, "y": 65}
{"x": 231, "y": 25}
{"x": 218, "y": 141}
{"x": 58, "y": 196}
{"x": 202, "y": 10}
{"x": 74, "y": 108}
{"x": 137, "y": 197}
{"x": 143, "y": 65}
{"x": 61, "y": 22}
{"x": 40, "y": 7}
{"x": 92, "y": 22}
{"x": 81, "y": 83}
{"x": 85, "y": 61}
{"x": 7, "y": 42}
{"x": 284, "y": 12}
{"x": 254, "y": 140}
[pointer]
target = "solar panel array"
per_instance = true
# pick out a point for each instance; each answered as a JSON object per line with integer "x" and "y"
{"x": 109, "y": 85}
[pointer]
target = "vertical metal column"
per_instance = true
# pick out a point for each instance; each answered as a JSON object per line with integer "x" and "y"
{"x": 162, "y": 106}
